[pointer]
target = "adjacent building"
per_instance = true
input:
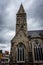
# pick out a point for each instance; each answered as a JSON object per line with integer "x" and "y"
{"x": 5, "y": 58}
{"x": 0, "y": 56}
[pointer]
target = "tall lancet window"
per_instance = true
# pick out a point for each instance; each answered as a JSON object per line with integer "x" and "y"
{"x": 38, "y": 52}
{"x": 20, "y": 52}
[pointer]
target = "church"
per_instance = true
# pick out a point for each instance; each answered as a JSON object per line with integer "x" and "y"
{"x": 26, "y": 46}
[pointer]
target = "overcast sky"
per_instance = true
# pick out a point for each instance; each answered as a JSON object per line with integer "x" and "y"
{"x": 8, "y": 10}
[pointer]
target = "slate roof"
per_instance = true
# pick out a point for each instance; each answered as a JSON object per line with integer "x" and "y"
{"x": 35, "y": 33}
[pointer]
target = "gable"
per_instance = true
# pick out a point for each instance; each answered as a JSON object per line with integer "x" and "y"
{"x": 20, "y": 36}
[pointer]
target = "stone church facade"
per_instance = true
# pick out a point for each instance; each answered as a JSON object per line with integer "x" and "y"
{"x": 26, "y": 46}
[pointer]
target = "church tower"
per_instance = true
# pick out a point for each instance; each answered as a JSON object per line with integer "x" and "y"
{"x": 21, "y": 20}
{"x": 20, "y": 42}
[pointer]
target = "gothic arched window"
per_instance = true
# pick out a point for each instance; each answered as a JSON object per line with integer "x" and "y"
{"x": 38, "y": 52}
{"x": 20, "y": 52}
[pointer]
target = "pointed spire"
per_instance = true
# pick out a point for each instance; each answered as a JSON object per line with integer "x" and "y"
{"x": 21, "y": 10}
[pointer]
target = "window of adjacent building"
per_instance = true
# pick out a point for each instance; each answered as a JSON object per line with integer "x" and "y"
{"x": 20, "y": 52}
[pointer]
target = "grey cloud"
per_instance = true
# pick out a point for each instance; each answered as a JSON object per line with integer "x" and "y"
{"x": 2, "y": 46}
{"x": 6, "y": 22}
{"x": 36, "y": 9}
{"x": 8, "y": 10}
{"x": 6, "y": 35}
{"x": 2, "y": 40}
